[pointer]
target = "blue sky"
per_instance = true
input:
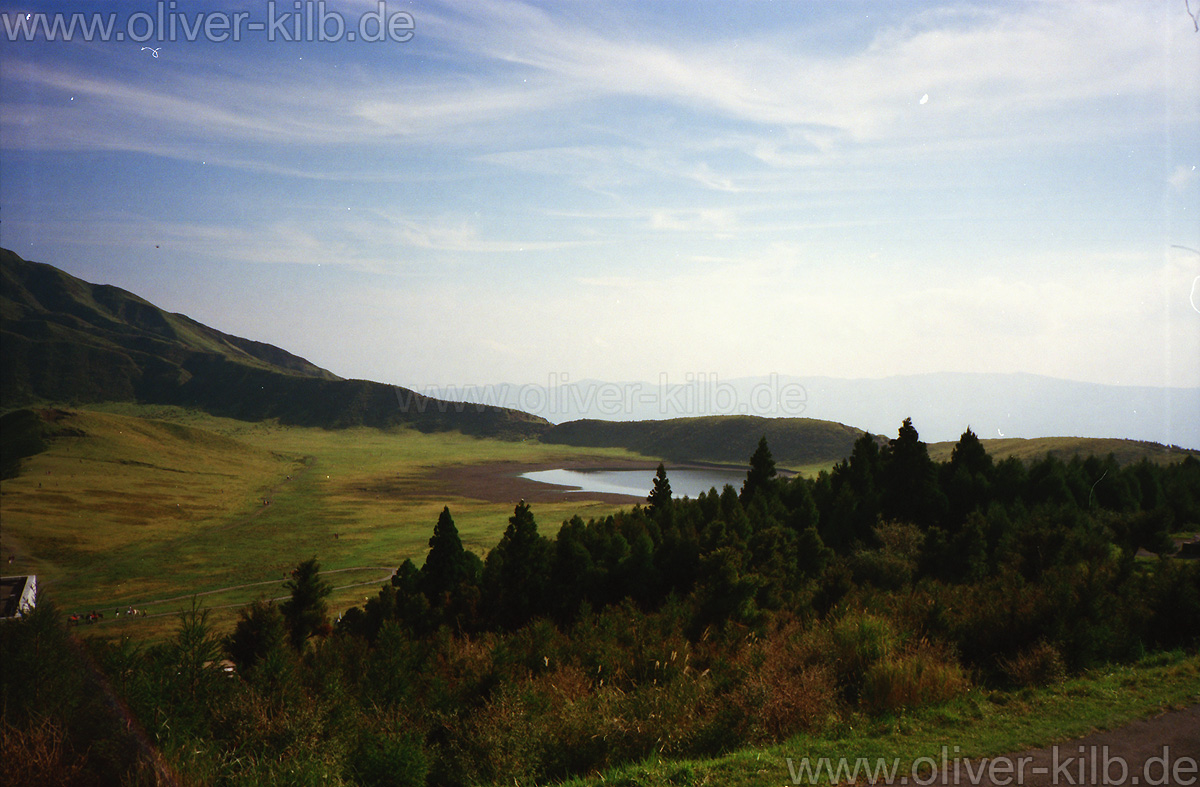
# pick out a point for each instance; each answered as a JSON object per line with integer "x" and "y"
{"x": 629, "y": 189}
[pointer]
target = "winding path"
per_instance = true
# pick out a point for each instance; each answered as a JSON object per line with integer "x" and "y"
{"x": 142, "y": 605}
{"x": 1162, "y": 750}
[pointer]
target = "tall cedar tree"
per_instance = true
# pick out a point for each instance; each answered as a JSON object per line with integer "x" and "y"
{"x": 516, "y": 572}
{"x": 446, "y": 567}
{"x": 305, "y": 611}
{"x": 966, "y": 479}
{"x": 761, "y": 474}
{"x": 911, "y": 492}
{"x": 660, "y": 496}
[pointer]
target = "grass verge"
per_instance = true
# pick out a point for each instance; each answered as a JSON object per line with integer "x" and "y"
{"x": 981, "y": 723}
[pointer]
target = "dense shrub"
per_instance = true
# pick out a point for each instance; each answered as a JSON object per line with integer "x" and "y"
{"x": 1038, "y": 665}
{"x": 785, "y": 684}
{"x": 860, "y": 641}
{"x": 381, "y": 760}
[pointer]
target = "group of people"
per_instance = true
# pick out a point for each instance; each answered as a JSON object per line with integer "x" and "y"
{"x": 94, "y": 616}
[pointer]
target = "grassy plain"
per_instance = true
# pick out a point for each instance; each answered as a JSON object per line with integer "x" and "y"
{"x": 148, "y": 506}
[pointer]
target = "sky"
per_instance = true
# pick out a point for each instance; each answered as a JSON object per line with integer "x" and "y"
{"x": 526, "y": 192}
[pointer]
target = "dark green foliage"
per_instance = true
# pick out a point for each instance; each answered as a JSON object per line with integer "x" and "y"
{"x": 909, "y": 479}
{"x": 760, "y": 478}
{"x": 725, "y": 593}
{"x": 516, "y": 572}
{"x": 966, "y": 479}
{"x": 260, "y": 632}
{"x": 306, "y": 611}
{"x": 446, "y": 565}
{"x": 195, "y": 654}
{"x": 61, "y": 720}
{"x": 660, "y": 496}
{"x": 388, "y": 761}
{"x": 1174, "y": 598}
{"x": 450, "y": 577}
{"x": 403, "y": 601}
{"x": 21, "y": 433}
{"x": 849, "y": 498}
{"x": 41, "y": 672}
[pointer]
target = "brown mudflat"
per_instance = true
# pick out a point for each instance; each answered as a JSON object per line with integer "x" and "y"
{"x": 501, "y": 482}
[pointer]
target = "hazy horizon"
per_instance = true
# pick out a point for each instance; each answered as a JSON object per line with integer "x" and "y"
{"x": 941, "y": 405}
{"x": 630, "y": 190}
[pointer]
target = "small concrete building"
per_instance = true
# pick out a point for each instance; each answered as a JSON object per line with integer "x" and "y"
{"x": 18, "y": 596}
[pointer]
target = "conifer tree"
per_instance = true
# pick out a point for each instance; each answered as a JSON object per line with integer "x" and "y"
{"x": 446, "y": 567}
{"x": 516, "y": 573}
{"x": 660, "y": 496}
{"x": 911, "y": 492}
{"x": 305, "y": 611}
{"x": 762, "y": 471}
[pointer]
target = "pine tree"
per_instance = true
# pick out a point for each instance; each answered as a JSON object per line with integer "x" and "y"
{"x": 970, "y": 454}
{"x": 446, "y": 567}
{"x": 260, "y": 630}
{"x": 966, "y": 479}
{"x": 305, "y": 611}
{"x": 911, "y": 491}
{"x": 517, "y": 572}
{"x": 761, "y": 475}
{"x": 660, "y": 496}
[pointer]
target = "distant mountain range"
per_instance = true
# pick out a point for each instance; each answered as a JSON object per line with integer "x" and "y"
{"x": 67, "y": 341}
{"x": 942, "y": 406}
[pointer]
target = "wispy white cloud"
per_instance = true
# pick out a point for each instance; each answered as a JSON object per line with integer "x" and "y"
{"x": 1043, "y": 69}
{"x": 371, "y": 242}
{"x": 984, "y": 70}
{"x": 1183, "y": 176}
{"x": 704, "y": 220}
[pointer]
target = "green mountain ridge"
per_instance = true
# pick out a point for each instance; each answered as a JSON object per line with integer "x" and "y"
{"x": 719, "y": 438}
{"x": 66, "y": 340}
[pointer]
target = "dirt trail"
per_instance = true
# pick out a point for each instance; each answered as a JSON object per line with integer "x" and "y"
{"x": 1163, "y": 750}
{"x": 144, "y": 606}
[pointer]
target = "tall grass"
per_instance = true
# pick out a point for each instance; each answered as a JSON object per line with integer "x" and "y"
{"x": 924, "y": 676}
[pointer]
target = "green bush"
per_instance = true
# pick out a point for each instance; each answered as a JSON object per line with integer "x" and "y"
{"x": 860, "y": 641}
{"x": 388, "y": 761}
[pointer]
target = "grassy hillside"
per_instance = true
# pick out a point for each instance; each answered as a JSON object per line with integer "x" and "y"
{"x": 810, "y": 445}
{"x": 795, "y": 442}
{"x": 1125, "y": 451}
{"x": 131, "y": 504}
{"x": 65, "y": 340}
{"x": 43, "y": 305}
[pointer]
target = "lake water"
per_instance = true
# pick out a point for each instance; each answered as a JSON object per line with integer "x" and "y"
{"x": 684, "y": 482}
